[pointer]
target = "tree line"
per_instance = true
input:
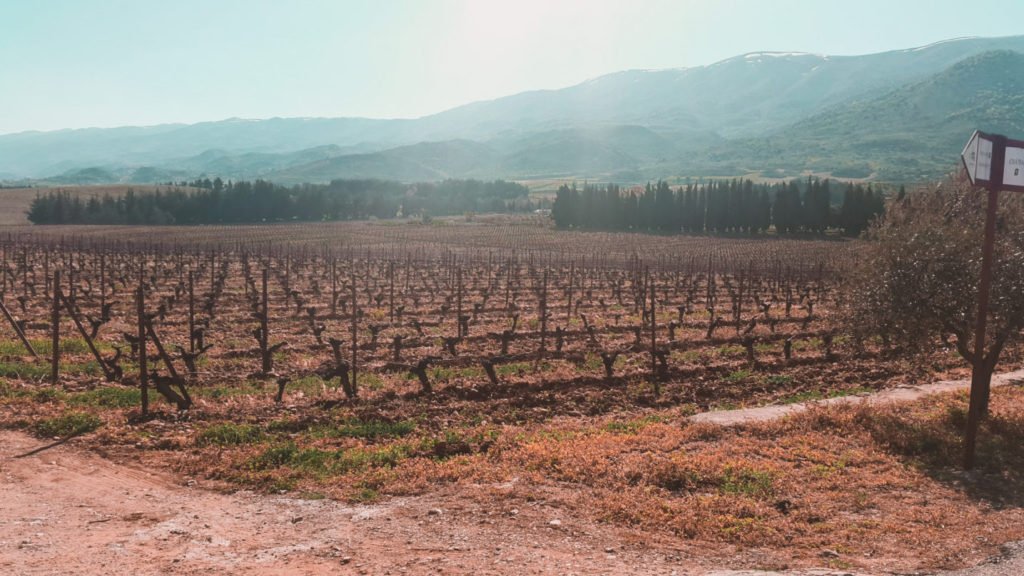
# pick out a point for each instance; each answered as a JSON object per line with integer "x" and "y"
{"x": 219, "y": 202}
{"x": 734, "y": 206}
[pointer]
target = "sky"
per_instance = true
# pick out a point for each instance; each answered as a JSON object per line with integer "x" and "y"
{"x": 102, "y": 63}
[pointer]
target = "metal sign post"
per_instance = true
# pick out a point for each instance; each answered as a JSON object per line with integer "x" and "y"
{"x": 996, "y": 163}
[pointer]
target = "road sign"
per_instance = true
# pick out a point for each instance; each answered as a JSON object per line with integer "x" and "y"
{"x": 977, "y": 158}
{"x": 1013, "y": 171}
{"x": 997, "y": 163}
{"x": 984, "y": 149}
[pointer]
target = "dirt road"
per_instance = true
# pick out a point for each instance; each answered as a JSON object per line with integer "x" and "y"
{"x": 66, "y": 511}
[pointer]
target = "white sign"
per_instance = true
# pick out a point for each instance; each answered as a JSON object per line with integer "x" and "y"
{"x": 1013, "y": 166}
{"x": 977, "y": 156}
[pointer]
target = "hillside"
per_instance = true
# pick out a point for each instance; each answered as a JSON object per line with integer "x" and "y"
{"x": 772, "y": 112}
{"x": 912, "y": 132}
{"x": 612, "y": 152}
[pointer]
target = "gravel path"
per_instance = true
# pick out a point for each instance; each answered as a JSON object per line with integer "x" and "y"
{"x": 900, "y": 394}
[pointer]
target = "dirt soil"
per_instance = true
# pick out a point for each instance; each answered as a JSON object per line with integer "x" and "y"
{"x": 65, "y": 511}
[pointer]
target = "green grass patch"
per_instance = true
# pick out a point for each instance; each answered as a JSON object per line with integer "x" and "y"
{"x": 10, "y": 392}
{"x": 738, "y": 376}
{"x": 778, "y": 380}
{"x": 366, "y": 429}
{"x": 310, "y": 386}
{"x": 44, "y": 346}
{"x": 43, "y": 395}
{"x": 685, "y": 356}
{"x": 369, "y": 380}
{"x": 445, "y": 373}
{"x": 68, "y": 424}
{"x": 814, "y": 395}
{"x": 107, "y": 397}
{"x": 325, "y": 463}
{"x": 219, "y": 392}
{"x": 41, "y": 370}
{"x": 748, "y": 482}
{"x": 229, "y": 434}
{"x": 632, "y": 426}
{"x": 731, "y": 351}
{"x": 807, "y": 344}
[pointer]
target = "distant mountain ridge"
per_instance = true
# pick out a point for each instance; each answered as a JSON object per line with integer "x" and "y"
{"x": 774, "y": 113}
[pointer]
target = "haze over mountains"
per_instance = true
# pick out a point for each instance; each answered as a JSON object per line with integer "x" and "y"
{"x": 897, "y": 116}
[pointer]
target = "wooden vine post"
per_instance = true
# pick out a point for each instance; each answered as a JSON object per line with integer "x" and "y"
{"x": 568, "y": 307}
{"x": 355, "y": 333}
{"x": 654, "y": 339}
{"x": 103, "y": 282}
{"x": 267, "y": 363}
{"x": 192, "y": 312}
{"x": 391, "y": 291}
{"x": 140, "y": 300}
{"x": 55, "y": 330}
{"x": 544, "y": 312}
{"x": 458, "y": 302}
{"x": 334, "y": 287}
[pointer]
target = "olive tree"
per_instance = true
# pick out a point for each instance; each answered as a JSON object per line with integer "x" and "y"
{"x": 914, "y": 281}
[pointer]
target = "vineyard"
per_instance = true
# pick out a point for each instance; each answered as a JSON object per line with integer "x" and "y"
{"x": 360, "y": 361}
{"x": 420, "y": 311}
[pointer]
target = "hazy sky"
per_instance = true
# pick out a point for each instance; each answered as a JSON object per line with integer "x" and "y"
{"x": 80, "y": 63}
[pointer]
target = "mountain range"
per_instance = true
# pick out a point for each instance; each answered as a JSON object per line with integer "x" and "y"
{"x": 894, "y": 116}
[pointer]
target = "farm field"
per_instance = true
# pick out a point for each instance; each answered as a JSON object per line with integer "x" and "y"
{"x": 494, "y": 236}
{"x": 499, "y": 366}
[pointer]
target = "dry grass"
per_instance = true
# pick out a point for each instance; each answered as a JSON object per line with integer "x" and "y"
{"x": 868, "y": 487}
